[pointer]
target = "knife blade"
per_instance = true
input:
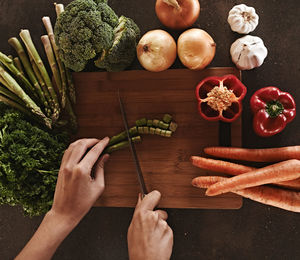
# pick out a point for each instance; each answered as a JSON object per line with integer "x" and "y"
{"x": 132, "y": 149}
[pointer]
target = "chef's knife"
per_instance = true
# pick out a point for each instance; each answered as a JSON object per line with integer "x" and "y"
{"x": 132, "y": 149}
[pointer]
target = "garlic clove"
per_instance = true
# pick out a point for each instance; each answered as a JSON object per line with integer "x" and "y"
{"x": 248, "y": 52}
{"x": 242, "y": 19}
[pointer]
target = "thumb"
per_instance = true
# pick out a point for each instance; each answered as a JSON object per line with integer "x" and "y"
{"x": 151, "y": 200}
{"x": 99, "y": 171}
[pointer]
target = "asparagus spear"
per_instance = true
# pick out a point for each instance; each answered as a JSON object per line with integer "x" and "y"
{"x": 59, "y": 8}
{"x": 18, "y": 65}
{"x": 46, "y": 94}
{"x": 62, "y": 83}
{"x": 72, "y": 117}
{"x": 14, "y": 87}
{"x": 121, "y": 145}
{"x": 15, "y": 43}
{"x": 3, "y": 82}
{"x": 5, "y": 92}
{"x": 8, "y": 63}
{"x": 71, "y": 86}
{"x": 52, "y": 62}
{"x": 25, "y": 36}
{"x": 122, "y": 136}
{"x": 15, "y": 105}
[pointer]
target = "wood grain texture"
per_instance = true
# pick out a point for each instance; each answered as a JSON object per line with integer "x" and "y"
{"x": 164, "y": 161}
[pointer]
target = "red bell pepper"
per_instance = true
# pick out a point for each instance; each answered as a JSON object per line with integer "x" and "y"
{"x": 272, "y": 110}
{"x": 220, "y": 98}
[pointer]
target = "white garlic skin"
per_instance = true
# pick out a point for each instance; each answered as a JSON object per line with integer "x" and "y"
{"x": 242, "y": 19}
{"x": 248, "y": 52}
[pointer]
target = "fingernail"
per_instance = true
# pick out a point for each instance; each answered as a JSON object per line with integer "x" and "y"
{"x": 106, "y": 138}
{"x": 105, "y": 158}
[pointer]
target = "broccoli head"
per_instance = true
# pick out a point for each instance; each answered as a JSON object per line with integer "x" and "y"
{"x": 84, "y": 30}
{"x": 90, "y": 30}
{"x": 123, "y": 49}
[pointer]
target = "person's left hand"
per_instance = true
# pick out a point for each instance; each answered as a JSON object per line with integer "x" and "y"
{"x": 76, "y": 190}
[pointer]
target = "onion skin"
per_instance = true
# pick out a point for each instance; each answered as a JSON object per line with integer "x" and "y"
{"x": 156, "y": 50}
{"x": 196, "y": 49}
{"x": 178, "y": 18}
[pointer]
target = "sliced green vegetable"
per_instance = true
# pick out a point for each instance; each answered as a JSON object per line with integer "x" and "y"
{"x": 121, "y": 145}
{"x": 173, "y": 126}
{"x": 123, "y": 136}
{"x": 167, "y": 118}
{"x": 155, "y": 122}
{"x": 163, "y": 125}
{"x": 141, "y": 122}
{"x": 149, "y": 122}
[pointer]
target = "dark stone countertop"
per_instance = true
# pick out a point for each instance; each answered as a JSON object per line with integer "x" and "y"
{"x": 255, "y": 231}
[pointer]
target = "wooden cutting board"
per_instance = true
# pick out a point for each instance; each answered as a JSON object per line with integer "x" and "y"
{"x": 164, "y": 161}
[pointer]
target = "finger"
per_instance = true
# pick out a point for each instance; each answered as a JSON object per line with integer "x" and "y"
{"x": 79, "y": 148}
{"x": 162, "y": 214}
{"x": 138, "y": 204}
{"x": 93, "y": 155}
{"x": 99, "y": 171}
{"x": 151, "y": 200}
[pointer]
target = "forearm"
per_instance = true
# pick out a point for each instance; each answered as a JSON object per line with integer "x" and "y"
{"x": 52, "y": 231}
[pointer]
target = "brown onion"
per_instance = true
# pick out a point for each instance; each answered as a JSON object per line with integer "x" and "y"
{"x": 196, "y": 49}
{"x": 156, "y": 50}
{"x": 177, "y": 14}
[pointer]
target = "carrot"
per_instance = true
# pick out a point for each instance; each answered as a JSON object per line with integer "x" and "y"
{"x": 220, "y": 166}
{"x": 283, "y": 171}
{"x": 284, "y": 199}
{"x": 206, "y": 181}
{"x": 235, "y": 169}
{"x": 255, "y": 155}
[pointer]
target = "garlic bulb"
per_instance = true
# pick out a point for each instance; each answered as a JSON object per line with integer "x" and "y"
{"x": 242, "y": 19}
{"x": 248, "y": 52}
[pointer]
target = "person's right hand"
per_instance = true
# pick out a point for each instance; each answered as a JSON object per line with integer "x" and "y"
{"x": 149, "y": 236}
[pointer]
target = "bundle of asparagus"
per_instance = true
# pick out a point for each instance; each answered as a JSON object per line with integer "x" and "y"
{"x": 164, "y": 127}
{"x": 26, "y": 85}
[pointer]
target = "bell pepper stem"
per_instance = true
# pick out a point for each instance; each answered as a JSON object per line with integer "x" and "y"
{"x": 274, "y": 108}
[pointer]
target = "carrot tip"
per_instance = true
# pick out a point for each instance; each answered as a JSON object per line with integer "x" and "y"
{"x": 194, "y": 182}
{"x": 209, "y": 193}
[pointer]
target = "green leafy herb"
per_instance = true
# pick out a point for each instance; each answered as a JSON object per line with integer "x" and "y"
{"x": 29, "y": 162}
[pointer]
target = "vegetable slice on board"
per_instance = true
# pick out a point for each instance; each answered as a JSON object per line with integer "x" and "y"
{"x": 220, "y": 98}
